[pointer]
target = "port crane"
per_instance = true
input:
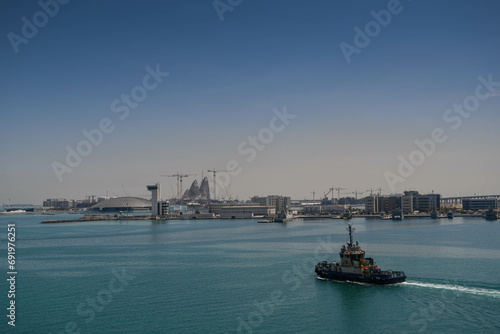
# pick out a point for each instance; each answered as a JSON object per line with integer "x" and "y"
{"x": 214, "y": 171}
{"x": 179, "y": 177}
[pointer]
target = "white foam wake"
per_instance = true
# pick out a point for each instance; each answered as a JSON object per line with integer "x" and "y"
{"x": 458, "y": 288}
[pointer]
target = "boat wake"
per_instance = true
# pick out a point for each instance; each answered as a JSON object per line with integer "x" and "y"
{"x": 458, "y": 288}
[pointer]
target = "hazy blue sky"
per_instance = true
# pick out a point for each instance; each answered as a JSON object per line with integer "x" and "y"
{"x": 353, "y": 119}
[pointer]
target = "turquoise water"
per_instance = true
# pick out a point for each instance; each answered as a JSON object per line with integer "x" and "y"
{"x": 241, "y": 276}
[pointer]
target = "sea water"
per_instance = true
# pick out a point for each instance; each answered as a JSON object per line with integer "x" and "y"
{"x": 239, "y": 276}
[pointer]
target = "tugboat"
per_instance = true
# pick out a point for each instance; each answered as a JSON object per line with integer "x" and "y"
{"x": 354, "y": 267}
{"x": 490, "y": 215}
{"x": 450, "y": 215}
{"x": 397, "y": 214}
{"x": 434, "y": 214}
{"x": 283, "y": 217}
{"x": 346, "y": 214}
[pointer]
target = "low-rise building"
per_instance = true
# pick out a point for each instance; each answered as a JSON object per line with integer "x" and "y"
{"x": 279, "y": 202}
{"x": 58, "y": 203}
{"x": 479, "y": 203}
{"x": 421, "y": 202}
{"x": 409, "y": 202}
{"x": 216, "y": 208}
{"x": 247, "y": 211}
{"x": 371, "y": 204}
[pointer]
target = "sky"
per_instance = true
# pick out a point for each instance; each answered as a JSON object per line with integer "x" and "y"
{"x": 293, "y": 97}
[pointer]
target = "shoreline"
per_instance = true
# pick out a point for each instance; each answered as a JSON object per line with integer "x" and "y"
{"x": 336, "y": 217}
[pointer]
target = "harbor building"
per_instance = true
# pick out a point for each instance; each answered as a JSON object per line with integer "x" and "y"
{"x": 281, "y": 203}
{"x": 125, "y": 204}
{"x": 480, "y": 203}
{"x": 371, "y": 204}
{"x": 247, "y": 211}
{"x": 409, "y": 202}
{"x": 58, "y": 203}
{"x": 413, "y": 201}
{"x": 427, "y": 202}
{"x": 318, "y": 209}
{"x": 216, "y": 208}
{"x": 389, "y": 203}
{"x": 381, "y": 204}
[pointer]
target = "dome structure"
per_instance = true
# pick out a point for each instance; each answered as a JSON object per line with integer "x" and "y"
{"x": 122, "y": 204}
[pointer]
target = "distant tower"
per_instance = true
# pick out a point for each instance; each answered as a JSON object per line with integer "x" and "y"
{"x": 155, "y": 198}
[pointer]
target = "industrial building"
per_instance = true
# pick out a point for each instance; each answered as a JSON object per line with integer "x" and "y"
{"x": 247, "y": 211}
{"x": 281, "y": 203}
{"x": 479, "y": 203}
{"x": 216, "y": 208}
{"x": 317, "y": 209}
{"x": 63, "y": 203}
{"x": 381, "y": 204}
{"x": 126, "y": 204}
{"x": 413, "y": 201}
{"x": 58, "y": 203}
{"x": 409, "y": 202}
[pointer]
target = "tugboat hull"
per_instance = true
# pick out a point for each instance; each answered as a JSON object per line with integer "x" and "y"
{"x": 373, "y": 278}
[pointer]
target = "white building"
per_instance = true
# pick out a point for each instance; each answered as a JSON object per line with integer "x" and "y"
{"x": 247, "y": 211}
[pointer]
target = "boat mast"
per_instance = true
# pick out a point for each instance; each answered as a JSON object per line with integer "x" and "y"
{"x": 350, "y": 234}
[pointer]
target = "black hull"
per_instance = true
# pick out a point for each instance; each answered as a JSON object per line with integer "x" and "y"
{"x": 375, "y": 278}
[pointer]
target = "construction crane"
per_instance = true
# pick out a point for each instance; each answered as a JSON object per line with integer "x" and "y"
{"x": 325, "y": 195}
{"x": 126, "y": 193}
{"x": 338, "y": 192}
{"x": 215, "y": 179}
{"x": 371, "y": 191}
{"x": 179, "y": 177}
{"x": 314, "y": 193}
{"x": 356, "y": 192}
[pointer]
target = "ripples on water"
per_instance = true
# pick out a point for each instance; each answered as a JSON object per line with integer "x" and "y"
{"x": 210, "y": 276}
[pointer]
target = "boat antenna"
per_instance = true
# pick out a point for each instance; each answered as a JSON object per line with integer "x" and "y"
{"x": 350, "y": 228}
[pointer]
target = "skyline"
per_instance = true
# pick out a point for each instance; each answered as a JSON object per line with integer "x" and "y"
{"x": 102, "y": 67}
